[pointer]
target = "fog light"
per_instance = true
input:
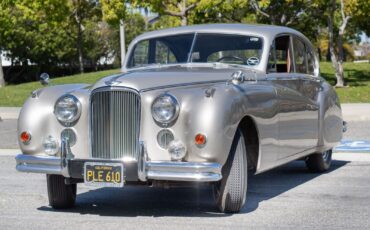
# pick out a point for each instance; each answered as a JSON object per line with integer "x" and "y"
{"x": 70, "y": 136}
{"x": 50, "y": 145}
{"x": 164, "y": 138}
{"x": 25, "y": 137}
{"x": 177, "y": 150}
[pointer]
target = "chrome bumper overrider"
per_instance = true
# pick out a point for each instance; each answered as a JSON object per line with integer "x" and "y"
{"x": 176, "y": 171}
{"x": 46, "y": 164}
{"x": 183, "y": 171}
{"x": 147, "y": 170}
{"x": 38, "y": 164}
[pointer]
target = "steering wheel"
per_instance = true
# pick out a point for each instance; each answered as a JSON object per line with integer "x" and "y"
{"x": 231, "y": 57}
{"x": 253, "y": 61}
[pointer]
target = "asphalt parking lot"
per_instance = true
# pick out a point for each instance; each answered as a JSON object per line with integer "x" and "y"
{"x": 288, "y": 197}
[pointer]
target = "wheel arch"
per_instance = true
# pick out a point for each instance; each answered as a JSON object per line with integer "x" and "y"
{"x": 252, "y": 141}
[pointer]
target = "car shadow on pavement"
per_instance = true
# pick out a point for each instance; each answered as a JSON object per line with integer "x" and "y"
{"x": 272, "y": 183}
{"x": 133, "y": 201}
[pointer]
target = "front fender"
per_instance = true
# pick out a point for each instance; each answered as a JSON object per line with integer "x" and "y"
{"x": 217, "y": 117}
{"x": 37, "y": 117}
{"x": 330, "y": 117}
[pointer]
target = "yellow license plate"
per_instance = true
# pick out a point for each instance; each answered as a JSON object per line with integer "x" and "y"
{"x": 103, "y": 174}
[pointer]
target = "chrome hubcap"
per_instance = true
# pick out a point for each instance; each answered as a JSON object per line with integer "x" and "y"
{"x": 326, "y": 155}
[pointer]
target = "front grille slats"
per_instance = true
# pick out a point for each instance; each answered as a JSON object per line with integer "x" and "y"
{"x": 115, "y": 116}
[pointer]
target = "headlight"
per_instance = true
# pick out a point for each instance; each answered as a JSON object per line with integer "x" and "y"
{"x": 67, "y": 109}
{"x": 165, "y": 109}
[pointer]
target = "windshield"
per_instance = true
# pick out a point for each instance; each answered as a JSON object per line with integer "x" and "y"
{"x": 197, "y": 48}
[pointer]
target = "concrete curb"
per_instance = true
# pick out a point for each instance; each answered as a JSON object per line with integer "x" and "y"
{"x": 356, "y": 111}
{"x": 9, "y": 152}
{"x": 350, "y": 157}
{"x": 7, "y": 113}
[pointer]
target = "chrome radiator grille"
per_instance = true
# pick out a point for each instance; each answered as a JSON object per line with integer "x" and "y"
{"x": 115, "y": 117}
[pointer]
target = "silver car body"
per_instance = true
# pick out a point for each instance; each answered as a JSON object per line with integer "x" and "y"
{"x": 294, "y": 114}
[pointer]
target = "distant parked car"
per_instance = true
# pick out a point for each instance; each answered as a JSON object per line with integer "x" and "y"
{"x": 200, "y": 104}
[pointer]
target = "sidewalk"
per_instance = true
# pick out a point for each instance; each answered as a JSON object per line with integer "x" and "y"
{"x": 356, "y": 112}
{"x": 351, "y": 112}
{"x": 9, "y": 113}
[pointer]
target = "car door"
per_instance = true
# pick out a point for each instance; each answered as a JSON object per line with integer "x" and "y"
{"x": 295, "y": 115}
{"x": 304, "y": 61}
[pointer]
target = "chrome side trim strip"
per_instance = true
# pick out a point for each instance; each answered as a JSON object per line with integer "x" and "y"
{"x": 183, "y": 84}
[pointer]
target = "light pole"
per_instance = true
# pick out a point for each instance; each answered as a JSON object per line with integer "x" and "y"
{"x": 122, "y": 42}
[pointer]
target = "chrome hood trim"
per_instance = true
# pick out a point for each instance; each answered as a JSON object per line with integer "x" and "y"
{"x": 166, "y": 77}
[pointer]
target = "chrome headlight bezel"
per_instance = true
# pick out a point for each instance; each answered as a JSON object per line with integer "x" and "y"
{"x": 175, "y": 107}
{"x": 76, "y": 115}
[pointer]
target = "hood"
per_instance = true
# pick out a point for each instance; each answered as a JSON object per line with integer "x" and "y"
{"x": 164, "y": 77}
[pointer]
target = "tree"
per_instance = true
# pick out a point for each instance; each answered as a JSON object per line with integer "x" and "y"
{"x": 113, "y": 11}
{"x": 292, "y": 13}
{"x": 282, "y": 12}
{"x": 337, "y": 60}
{"x": 224, "y": 12}
{"x": 81, "y": 11}
{"x": 116, "y": 12}
{"x": 50, "y": 34}
{"x": 31, "y": 31}
{"x": 347, "y": 9}
{"x": 360, "y": 18}
{"x": 176, "y": 8}
{"x": 2, "y": 81}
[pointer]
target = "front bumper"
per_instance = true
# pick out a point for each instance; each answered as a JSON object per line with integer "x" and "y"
{"x": 143, "y": 170}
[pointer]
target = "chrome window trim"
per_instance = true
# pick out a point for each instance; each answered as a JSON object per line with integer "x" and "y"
{"x": 135, "y": 42}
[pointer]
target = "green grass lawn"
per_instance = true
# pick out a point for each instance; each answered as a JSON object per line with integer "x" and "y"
{"x": 357, "y": 76}
{"x": 15, "y": 95}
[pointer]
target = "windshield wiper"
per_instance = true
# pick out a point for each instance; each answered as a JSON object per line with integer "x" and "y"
{"x": 232, "y": 65}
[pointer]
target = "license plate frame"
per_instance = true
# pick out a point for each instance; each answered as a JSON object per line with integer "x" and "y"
{"x": 92, "y": 176}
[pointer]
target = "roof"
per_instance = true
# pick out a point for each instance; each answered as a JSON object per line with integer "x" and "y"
{"x": 250, "y": 29}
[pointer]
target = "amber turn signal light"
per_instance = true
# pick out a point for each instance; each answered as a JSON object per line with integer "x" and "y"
{"x": 200, "y": 139}
{"x": 25, "y": 137}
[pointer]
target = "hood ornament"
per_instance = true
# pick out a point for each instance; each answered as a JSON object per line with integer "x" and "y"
{"x": 112, "y": 82}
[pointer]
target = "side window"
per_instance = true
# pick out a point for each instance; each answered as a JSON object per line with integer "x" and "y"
{"x": 151, "y": 52}
{"x": 141, "y": 55}
{"x": 283, "y": 55}
{"x": 311, "y": 65}
{"x": 299, "y": 56}
{"x": 271, "y": 65}
{"x": 163, "y": 54}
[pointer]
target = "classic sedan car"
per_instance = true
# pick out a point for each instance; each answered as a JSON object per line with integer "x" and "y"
{"x": 205, "y": 104}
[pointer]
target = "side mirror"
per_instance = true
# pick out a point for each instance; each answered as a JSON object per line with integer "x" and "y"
{"x": 44, "y": 79}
